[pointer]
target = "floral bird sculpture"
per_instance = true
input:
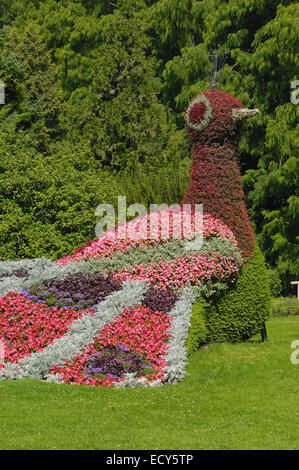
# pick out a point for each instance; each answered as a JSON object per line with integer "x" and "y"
{"x": 126, "y": 311}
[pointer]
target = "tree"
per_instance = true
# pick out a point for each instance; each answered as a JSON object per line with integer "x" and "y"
{"x": 48, "y": 192}
{"x": 117, "y": 110}
{"x": 40, "y": 82}
{"x": 109, "y": 81}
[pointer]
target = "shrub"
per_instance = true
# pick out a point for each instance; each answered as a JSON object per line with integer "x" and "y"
{"x": 241, "y": 313}
{"x": 48, "y": 202}
{"x": 156, "y": 185}
{"x": 285, "y": 306}
{"x": 275, "y": 282}
{"x": 198, "y": 331}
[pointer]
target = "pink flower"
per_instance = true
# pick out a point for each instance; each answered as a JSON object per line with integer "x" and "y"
{"x": 28, "y": 327}
{"x": 189, "y": 269}
{"x": 137, "y": 328}
{"x": 153, "y": 228}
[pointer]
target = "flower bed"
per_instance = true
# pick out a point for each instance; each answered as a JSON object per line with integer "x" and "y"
{"x": 116, "y": 312}
{"x": 152, "y": 231}
{"x": 27, "y": 326}
{"x": 190, "y": 269}
{"x": 138, "y": 330}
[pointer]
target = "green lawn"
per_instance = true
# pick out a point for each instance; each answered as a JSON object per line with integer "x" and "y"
{"x": 242, "y": 396}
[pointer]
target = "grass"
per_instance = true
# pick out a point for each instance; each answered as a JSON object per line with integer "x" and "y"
{"x": 242, "y": 396}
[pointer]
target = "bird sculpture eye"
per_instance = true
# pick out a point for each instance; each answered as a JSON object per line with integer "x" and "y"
{"x": 199, "y": 113}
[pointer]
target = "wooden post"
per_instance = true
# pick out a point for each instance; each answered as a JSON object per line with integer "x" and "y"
{"x": 296, "y": 282}
{"x": 264, "y": 333}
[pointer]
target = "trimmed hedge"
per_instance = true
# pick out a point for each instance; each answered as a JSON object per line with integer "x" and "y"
{"x": 241, "y": 313}
{"x": 198, "y": 331}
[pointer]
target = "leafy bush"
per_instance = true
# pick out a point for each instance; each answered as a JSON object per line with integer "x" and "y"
{"x": 275, "y": 282}
{"x": 285, "y": 306}
{"x": 198, "y": 331}
{"x": 148, "y": 184}
{"x": 241, "y": 313}
{"x": 48, "y": 203}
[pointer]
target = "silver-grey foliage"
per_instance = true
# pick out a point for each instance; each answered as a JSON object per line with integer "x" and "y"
{"x": 132, "y": 381}
{"x": 39, "y": 270}
{"x": 176, "y": 357}
{"x": 166, "y": 251}
{"x": 176, "y": 353}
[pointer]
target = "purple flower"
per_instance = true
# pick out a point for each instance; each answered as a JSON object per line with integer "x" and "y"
{"x": 115, "y": 361}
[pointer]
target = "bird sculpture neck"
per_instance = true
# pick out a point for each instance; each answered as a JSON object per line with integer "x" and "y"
{"x": 215, "y": 182}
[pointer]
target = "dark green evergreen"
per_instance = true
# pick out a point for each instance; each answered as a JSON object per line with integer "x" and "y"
{"x": 95, "y": 95}
{"x": 242, "y": 312}
{"x": 198, "y": 332}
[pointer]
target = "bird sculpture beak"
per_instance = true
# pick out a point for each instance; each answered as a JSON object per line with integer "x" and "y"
{"x": 240, "y": 114}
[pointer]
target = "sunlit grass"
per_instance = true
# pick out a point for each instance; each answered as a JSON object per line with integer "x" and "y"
{"x": 242, "y": 396}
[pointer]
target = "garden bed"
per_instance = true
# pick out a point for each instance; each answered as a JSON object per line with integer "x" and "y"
{"x": 117, "y": 304}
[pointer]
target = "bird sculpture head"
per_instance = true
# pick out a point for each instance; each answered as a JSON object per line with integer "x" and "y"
{"x": 215, "y": 117}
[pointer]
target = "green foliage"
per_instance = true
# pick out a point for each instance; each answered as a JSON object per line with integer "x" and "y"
{"x": 111, "y": 80}
{"x": 172, "y": 25}
{"x": 162, "y": 185}
{"x": 40, "y": 101}
{"x": 66, "y": 73}
{"x": 285, "y": 306}
{"x": 128, "y": 125}
{"x": 241, "y": 313}
{"x": 275, "y": 282}
{"x": 198, "y": 331}
{"x": 47, "y": 203}
{"x": 274, "y": 196}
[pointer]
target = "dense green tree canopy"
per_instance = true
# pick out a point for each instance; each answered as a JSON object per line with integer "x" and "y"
{"x": 95, "y": 93}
